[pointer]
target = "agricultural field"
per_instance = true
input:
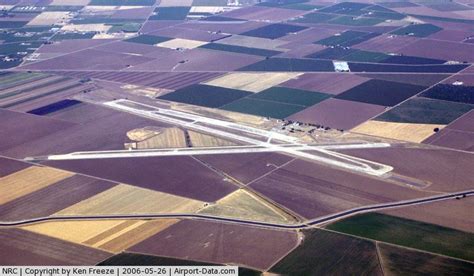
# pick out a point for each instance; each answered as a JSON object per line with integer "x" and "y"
{"x": 196, "y": 240}
{"x": 316, "y": 255}
{"x": 29, "y": 180}
{"x": 125, "y": 199}
{"x": 415, "y": 133}
{"x": 109, "y": 235}
{"x": 292, "y": 137}
{"x": 408, "y": 233}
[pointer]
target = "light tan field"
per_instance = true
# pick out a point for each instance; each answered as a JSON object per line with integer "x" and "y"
{"x": 140, "y": 134}
{"x": 254, "y": 42}
{"x": 109, "y": 8}
{"x": 86, "y": 28}
{"x": 175, "y": 3}
{"x": 168, "y": 138}
{"x": 145, "y": 91}
{"x": 399, "y": 131}
{"x": 70, "y": 2}
{"x": 203, "y": 140}
{"x": 110, "y": 235}
{"x": 252, "y": 82}
{"x": 244, "y": 205}
{"x": 29, "y": 180}
{"x": 181, "y": 43}
{"x": 126, "y": 199}
{"x": 49, "y": 18}
{"x": 136, "y": 235}
{"x": 113, "y": 36}
{"x": 207, "y": 9}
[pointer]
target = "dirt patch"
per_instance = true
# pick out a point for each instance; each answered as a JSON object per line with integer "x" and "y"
{"x": 244, "y": 205}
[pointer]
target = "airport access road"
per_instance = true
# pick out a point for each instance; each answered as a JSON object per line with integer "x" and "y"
{"x": 307, "y": 224}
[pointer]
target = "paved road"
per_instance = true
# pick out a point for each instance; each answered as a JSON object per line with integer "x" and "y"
{"x": 307, "y": 224}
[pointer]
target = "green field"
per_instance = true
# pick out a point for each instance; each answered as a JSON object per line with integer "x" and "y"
{"x": 290, "y": 96}
{"x": 344, "y": 39}
{"x": 240, "y": 49}
{"x": 351, "y": 21}
{"x": 400, "y": 261}
{"x": 425, "y": 111}
{"x": 419, "y": 30}
{"x": 170, "y": 13}
{"x": 315, "y": 17}
{"x": 365, "y": 56}
{"x": 148, "y": 39}
{"x": 64, "y": 36}
{"x": 409, "y": 233}
{"x": 205, "y": 95}
{"x": 263, "y": 108}
{"x": 326, "y": 253}
{"x": 122, "y": 2}
{"x": 12, "y": 79}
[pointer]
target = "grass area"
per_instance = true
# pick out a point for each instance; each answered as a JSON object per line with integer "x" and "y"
{"x": 326, "y": 253}
{"x": 274, "y": 31}
{"x": 365, "y": 56}
{"x": 148, "y": 39}
{"x": 10, "y": 64}
{"x": 315, "y": 17}
{"x": 409, "y": 233}
{"x": 122, "y": 2}
{"x": 385, "y": 15}
{"x": 12, "y": 24}
{"x": 240, "y": 49}
{"x": 291, "y": 96}
{"x": 332, "y": 53}
{"x": 425, "y": 111}
{"x": 18, "y": 47}
{"x": 11, "y": 79}
{"x": 59, "y": 90}
{"x": 263, "y": 108}
{"x": 65, "y": 36}
{"x": 301, "y": 7}
{"x": 400, "y": 261}
{"x": 63, "y": 8}
{"x": 381, "y": 92}
{"x": 411, "y": 60}
{"x": 356, "y": 21}
{"x": 347, "y": 38}
{"x": 170, "y": 13}
{"x": 212, "y": 3}
{"x": 205, "y": 95}
{"x": 128, "y": 27}
{"x": 453, "y": 93}
{"x": 418, "y": 30}
{"x": 346, "y": 8}
{"x": 290, "y": 65}
{"x": 401, "y": 68}
{"x": 56, "y": 106}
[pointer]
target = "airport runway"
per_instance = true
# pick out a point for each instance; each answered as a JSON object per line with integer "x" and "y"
{"x": 234, "y": 131}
